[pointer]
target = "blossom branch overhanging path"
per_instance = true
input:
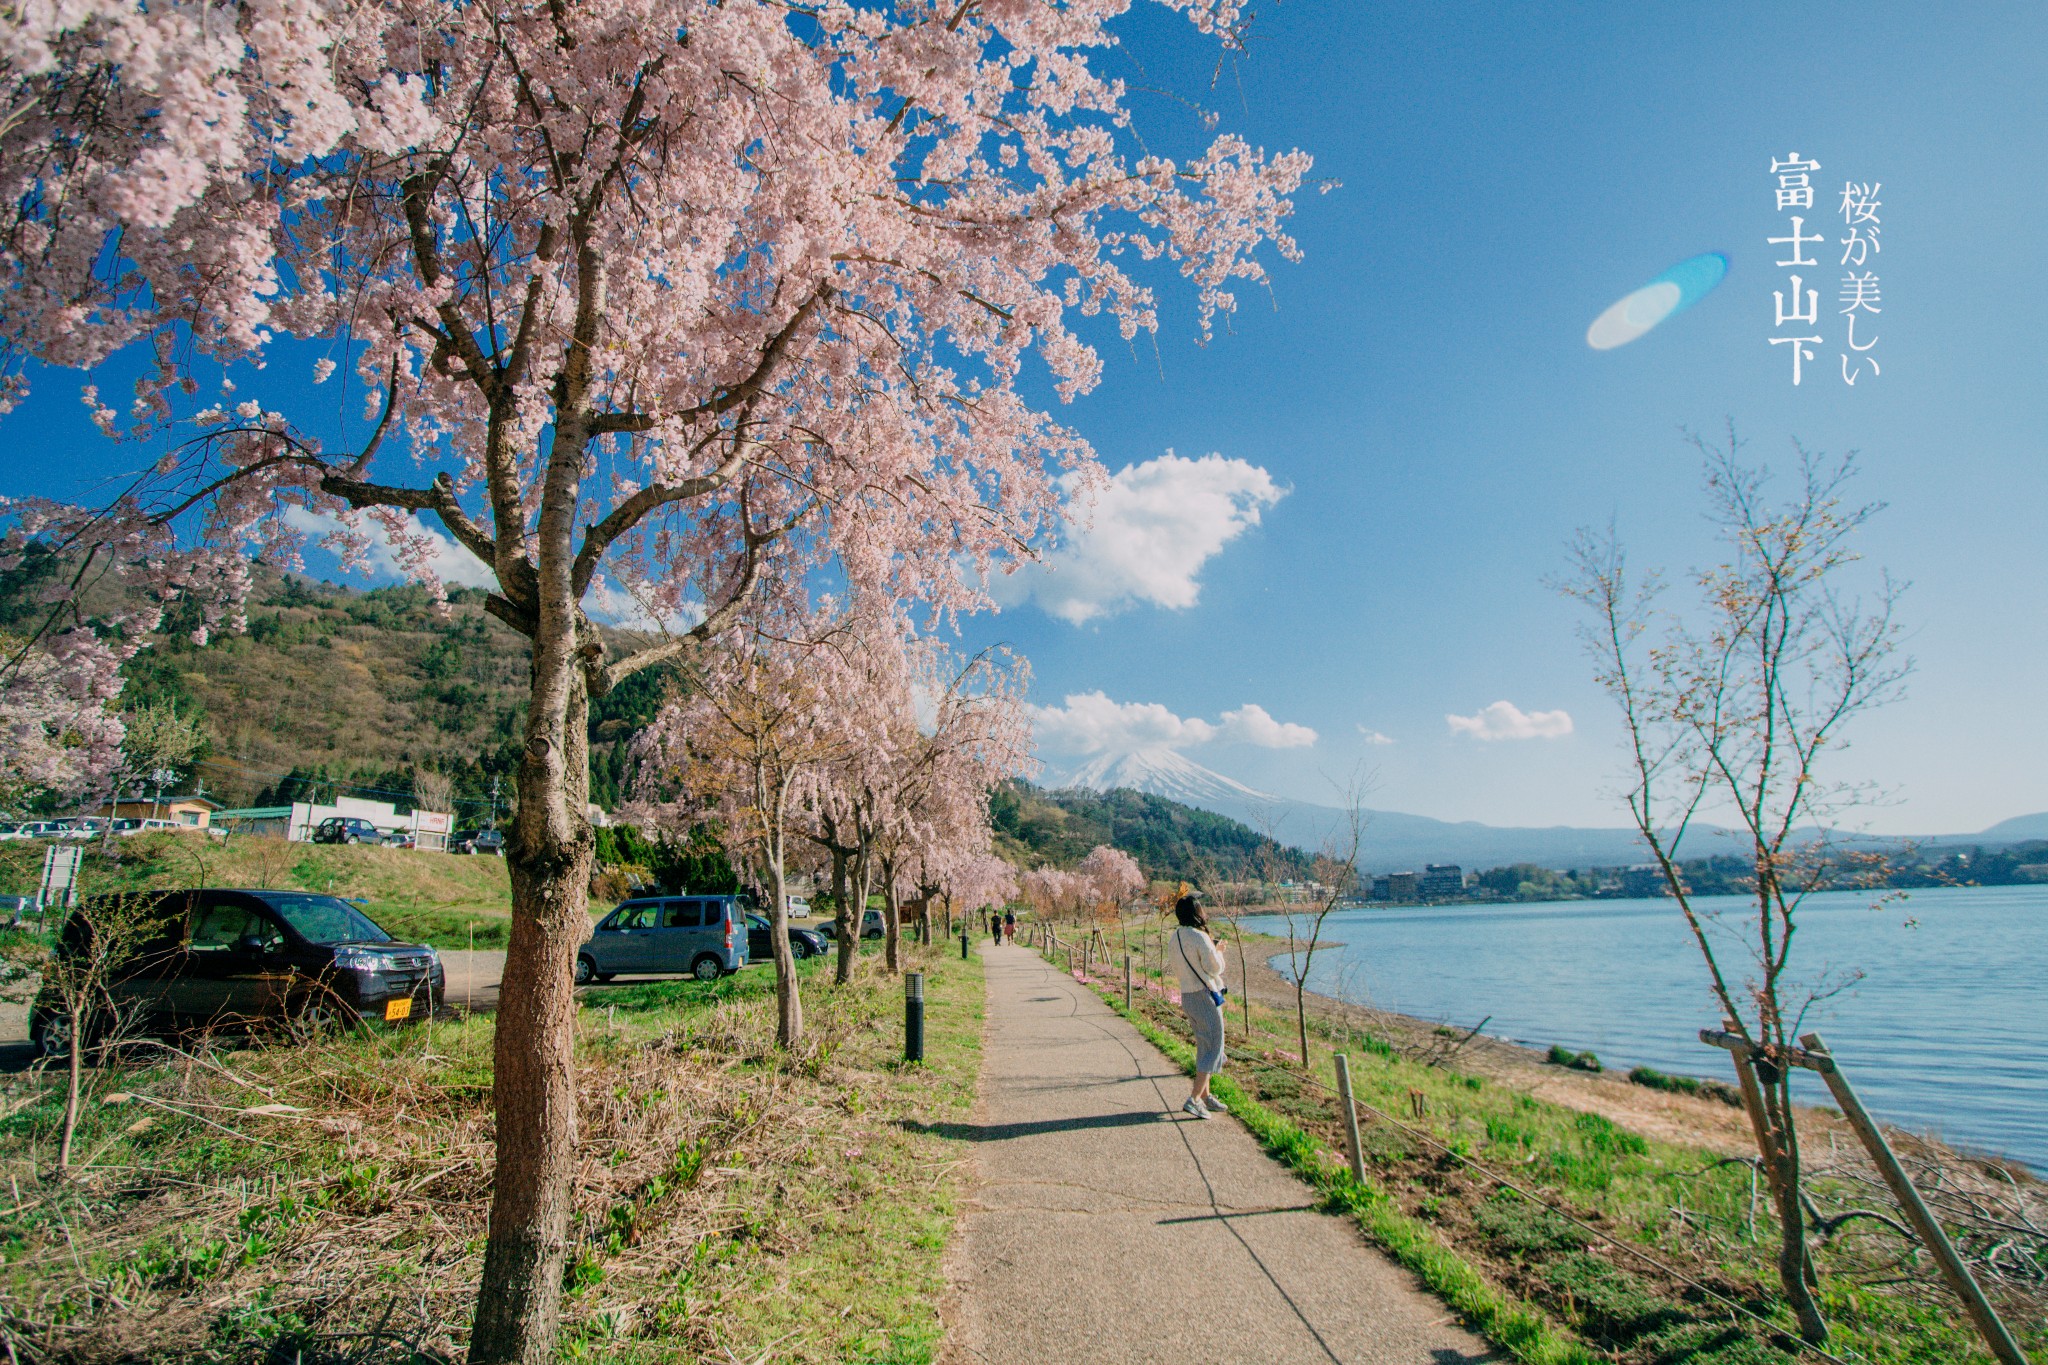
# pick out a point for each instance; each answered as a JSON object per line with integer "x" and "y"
{"x": 576, "y": 253}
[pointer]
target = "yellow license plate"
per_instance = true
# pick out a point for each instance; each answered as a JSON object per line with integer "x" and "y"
{"x": 398, "y": 1009}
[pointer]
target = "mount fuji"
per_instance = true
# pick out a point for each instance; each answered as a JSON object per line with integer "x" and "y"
{"x": 1163, "y": 772}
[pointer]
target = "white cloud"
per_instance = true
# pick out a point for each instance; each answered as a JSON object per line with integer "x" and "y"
{"x": 1373, "y": 736}
{"x": 1090, "y": 723}
{"x": 453, "y": 564}
{"x": 608, "y": 603}
{"x": 1249, "y": 724}
{"x": 1151, "y": 530}
{"x": 1505, "y": 720}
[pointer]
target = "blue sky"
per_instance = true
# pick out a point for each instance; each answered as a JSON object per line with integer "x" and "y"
{"x": 1417, "y": 422}
{"x": 1421, "y": 387}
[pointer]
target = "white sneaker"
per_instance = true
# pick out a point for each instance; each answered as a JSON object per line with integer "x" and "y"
{"x": 1215, "y": 1105}
{"x": 1193, "y": 1108}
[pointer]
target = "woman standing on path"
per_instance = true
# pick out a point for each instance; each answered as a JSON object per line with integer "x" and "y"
{"x": 1200, "y": 963}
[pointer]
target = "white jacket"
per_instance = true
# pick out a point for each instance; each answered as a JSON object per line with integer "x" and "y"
{"x": 1198, "y": 959}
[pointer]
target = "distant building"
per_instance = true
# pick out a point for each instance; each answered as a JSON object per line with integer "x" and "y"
{"x": 1403, "y": 886}
{"x": 1644, "y": 880}
{"x": 194, "y": 812}
{"x": 1440, "y": 882}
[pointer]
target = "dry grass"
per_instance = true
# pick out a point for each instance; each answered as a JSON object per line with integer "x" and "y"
{"x": 332, "y": 1200}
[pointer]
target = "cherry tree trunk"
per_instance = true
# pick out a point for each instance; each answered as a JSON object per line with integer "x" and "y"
{"x": 848, "y": 920}
{"x": 789, "y": 1002}
{"x": 892, "y": 920}
{"x": 534, "y": 1081}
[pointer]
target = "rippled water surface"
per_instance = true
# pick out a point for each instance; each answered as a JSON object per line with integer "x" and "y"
{"x": 1947, "y": 1032}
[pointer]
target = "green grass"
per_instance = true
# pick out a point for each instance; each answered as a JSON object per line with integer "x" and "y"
{"x": 441, "y": 926}
{"x": 735, "y": 1202}
{"x": 172, "y": 860}
{"x": 1516, "y": 1327}
{"x": 1439, "y": 1218}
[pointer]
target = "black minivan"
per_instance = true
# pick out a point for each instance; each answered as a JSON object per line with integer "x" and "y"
{"x": 230, "y": 957}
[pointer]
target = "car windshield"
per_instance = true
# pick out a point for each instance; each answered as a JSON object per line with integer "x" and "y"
{"x": 325, "y": 919}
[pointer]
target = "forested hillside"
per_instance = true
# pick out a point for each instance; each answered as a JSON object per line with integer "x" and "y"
{"x": 1169, "y": 840}
{"x": 335, "y": 690}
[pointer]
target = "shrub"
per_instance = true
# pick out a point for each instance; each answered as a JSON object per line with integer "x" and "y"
{"x": 1653, "y": 1079}
{"x": 1577, "y": 1061}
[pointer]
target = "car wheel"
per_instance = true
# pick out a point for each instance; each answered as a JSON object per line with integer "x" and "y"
{"x": 800, "y": 948}
{"x": 586, "y": 970}
{"x": 311, "y": 1020}
{"x": 53, "y": 1036}
{"x": 707, "y": 968}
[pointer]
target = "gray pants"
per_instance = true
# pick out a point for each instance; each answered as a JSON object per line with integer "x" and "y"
{"x": 1207, "y": 1021}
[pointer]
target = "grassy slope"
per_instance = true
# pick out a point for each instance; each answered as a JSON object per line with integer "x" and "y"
{"x": 1488, "y": 1252}
{"x": 734, "y": 1203}
{"x": 414, "y": 894}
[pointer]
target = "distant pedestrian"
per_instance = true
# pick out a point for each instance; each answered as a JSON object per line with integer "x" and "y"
{"x": 1200, "y": 963}
{"x": 995, "y": 927}
{"x": 1010, "y": 926}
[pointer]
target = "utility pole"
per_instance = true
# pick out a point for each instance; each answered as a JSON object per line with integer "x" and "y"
{"x": 494, "y": 802}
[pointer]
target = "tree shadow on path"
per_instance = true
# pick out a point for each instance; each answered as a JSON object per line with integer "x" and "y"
{"x": 998, "y": 1132}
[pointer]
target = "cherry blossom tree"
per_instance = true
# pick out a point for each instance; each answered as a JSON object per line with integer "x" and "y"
{"x": 739, "y": 748}
{"x": 679, "y": 297}
{"x": 59, "y": 733}
{"x": 926, "y": 740}
{"x": 1112, "y": 876}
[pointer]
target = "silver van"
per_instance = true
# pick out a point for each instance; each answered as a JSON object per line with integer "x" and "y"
{"x": 705, "y": 936}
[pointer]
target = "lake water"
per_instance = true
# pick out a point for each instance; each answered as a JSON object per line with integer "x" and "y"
{"x": 1946, "y": 1033}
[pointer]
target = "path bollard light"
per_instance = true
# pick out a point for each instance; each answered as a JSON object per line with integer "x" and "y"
{"x": 913, "y": 1016}
{"x": 963, "y": 945}
{"x": 1127, "y": 983}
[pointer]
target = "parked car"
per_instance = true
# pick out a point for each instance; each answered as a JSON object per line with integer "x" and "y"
{"x": 870, "y": 927}
{"x": 761, "y": 943}
{"x": 478, "y": 841}
{"x": 247, "y": 958}
{"x": 346, "y": 829}
{"x": 705, "y": 936}
{"x": 399, "y": 838}
{"x": 52, "y": 829}
{"x": 125, "y": 827}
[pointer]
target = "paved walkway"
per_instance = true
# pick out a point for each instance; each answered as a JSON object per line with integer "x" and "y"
{"x": 1110, "y": 1228}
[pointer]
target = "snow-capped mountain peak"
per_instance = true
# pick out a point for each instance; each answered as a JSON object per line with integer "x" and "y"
{"x": 1162, "y": 772}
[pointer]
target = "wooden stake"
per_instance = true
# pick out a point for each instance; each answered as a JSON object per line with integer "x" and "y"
{"x": 1924, "y": 1222}
{"x": 1351, "y": 1143}
{"x": 1127, "y": 983}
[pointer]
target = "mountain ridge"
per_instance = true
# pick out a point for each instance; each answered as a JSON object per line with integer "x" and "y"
{"x": 1400, "y": 841}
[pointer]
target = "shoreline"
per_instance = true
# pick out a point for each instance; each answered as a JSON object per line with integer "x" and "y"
{"x": 1699, "y": 1121}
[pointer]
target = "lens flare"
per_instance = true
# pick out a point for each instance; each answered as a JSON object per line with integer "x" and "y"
{"x": 1674, "y": 291}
